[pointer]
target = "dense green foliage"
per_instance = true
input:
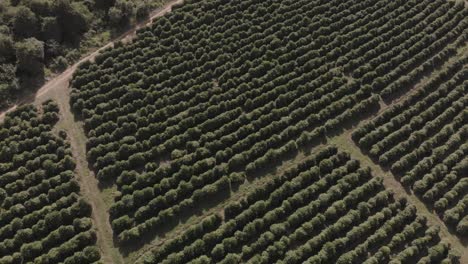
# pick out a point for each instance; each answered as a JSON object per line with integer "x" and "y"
{"x": 58, "y": 29}
{"x": 219, "y": 90}
{"x": 42, "y": 217}
{"x": 326, "y": 209}
{"x": 424, "y": 140}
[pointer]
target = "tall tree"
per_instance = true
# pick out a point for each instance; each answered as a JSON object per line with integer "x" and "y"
{"x": 30, "y": 57}
{"x": 25, "y": 23}
{"x": 7, "y": 49}
{"x": 74, "y": 17}
{"x": 51, "y": 29}
{"x": 121, "y": 14}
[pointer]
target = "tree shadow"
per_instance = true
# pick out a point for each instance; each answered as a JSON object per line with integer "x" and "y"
{"x": 28, "y": 88}
{"x": 351, "y": 123}
{"x": 307, "y": 148}
{"x": 272, "y": 167}
{"x": 404, "y": 89}
{"x": 161, "y": 231}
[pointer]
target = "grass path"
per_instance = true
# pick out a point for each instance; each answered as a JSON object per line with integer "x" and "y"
{"x": 87, "y": 179}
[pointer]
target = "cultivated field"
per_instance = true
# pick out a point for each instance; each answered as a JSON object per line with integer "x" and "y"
{"x": 325, "y": 209}
{"x": 273, "y": 131}
{"x": 423, "y": 140}
{"x": 43, "y": 219}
